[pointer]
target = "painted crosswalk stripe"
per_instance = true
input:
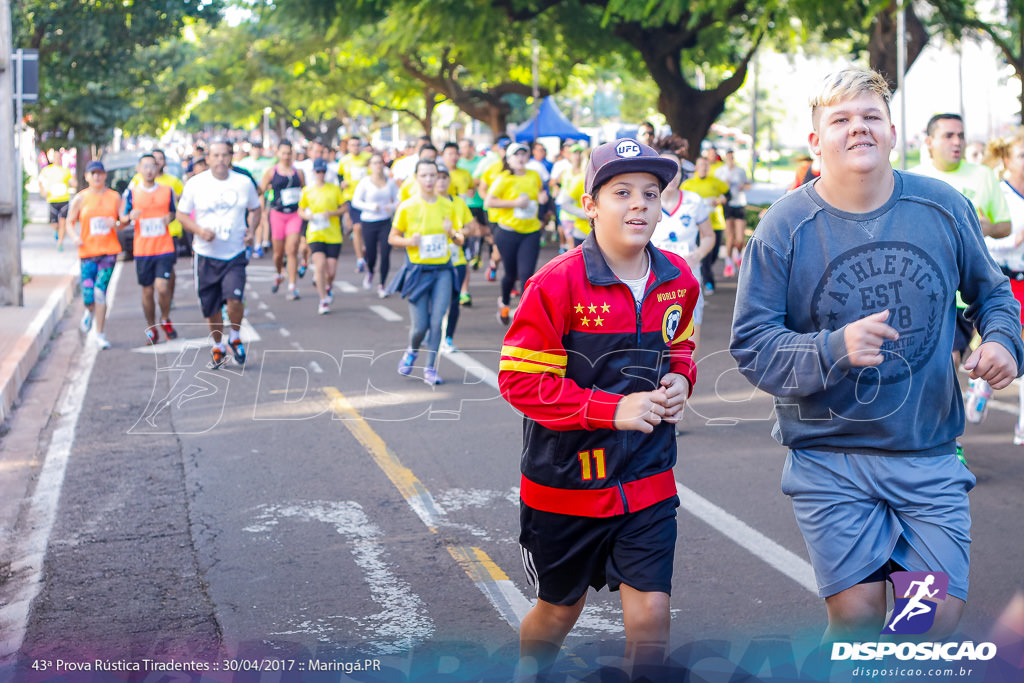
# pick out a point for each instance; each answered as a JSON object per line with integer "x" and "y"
{"x": 386, "y": 313}
{"x": 499, "y": 590}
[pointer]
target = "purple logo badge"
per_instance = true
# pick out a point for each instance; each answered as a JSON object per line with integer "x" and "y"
{"x": 917, "y": 596}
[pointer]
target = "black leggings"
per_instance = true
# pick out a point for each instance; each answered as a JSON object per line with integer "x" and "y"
{"x": 375, "y": 234}
{"x": 519, "y": 254}
{"x": 706, "y": 273}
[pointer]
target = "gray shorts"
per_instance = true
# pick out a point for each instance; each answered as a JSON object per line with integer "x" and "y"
{"x": 858, "y": 511}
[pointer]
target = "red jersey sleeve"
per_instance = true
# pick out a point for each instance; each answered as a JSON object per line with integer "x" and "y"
{"x": 532, "y": 377}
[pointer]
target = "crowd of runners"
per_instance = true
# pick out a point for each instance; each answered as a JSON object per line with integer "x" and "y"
{"x": 886, "y": 306}
{"x": 505, "y": 202}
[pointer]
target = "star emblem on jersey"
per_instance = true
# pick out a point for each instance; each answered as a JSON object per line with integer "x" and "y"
{"x": 589, "y": 313}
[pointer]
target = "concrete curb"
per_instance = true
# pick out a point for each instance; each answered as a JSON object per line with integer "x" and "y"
{"x": 16, "y": 367}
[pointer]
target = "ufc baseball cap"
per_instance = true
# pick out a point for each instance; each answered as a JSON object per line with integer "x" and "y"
{"x": 626, "y": 155}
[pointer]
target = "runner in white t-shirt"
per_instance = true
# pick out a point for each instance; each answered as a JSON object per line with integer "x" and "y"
{"x": 220, "y": 199}
{"x": 685, "y": 229}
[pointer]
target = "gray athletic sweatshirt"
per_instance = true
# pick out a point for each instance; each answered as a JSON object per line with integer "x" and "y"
{"x": 810, "y": 269}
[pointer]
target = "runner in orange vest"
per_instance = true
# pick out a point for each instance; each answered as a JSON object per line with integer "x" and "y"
{"x": 150, "y": 207}
{"x": 93, "y": 220}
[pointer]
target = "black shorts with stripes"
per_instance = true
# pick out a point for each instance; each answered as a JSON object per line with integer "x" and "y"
{"x": 563, "y": 554}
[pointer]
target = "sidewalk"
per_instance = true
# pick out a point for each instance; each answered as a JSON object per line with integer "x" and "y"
{"x": 25, "y": 330}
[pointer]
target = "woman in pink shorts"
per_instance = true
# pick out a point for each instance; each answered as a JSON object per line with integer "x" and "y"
{"x": 285, "y": 182}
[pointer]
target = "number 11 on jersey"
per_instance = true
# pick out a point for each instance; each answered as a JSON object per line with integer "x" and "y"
{"x": 589, "y": 471}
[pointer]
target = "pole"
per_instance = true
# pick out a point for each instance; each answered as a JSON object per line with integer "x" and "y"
{"x": 10, "y": 225}
{"x": 536, "y": 90}
{"x": 753, "y": 125}
{"x": 19, "y": 115}
{"x": 901, "y": 81}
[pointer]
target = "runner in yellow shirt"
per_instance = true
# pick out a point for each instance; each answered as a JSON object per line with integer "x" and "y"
{"x": 514, "y": 200}
{"x": 424, "y": 225}
{"x": 322, "y": 204}
{"x": 56, "y": 184}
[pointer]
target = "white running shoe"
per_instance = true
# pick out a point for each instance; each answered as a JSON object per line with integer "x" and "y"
{"x": 324, "y": 307}
{"x": 86, "y": 323}
{"x": 101, "y": 341}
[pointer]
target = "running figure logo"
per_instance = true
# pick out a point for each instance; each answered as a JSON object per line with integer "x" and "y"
{"x": 917, "y": 596}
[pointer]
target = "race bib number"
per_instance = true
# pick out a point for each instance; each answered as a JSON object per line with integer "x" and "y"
{"x": 152, "y": 227}
{"x": 453, "y": 251}
{"x": 58, "y": 190}
{"x": 320, "y": 221}
{"x": 527, "y": 213}
{"x": 433, "y": 246}
{"x": 290, "y": 196}
{"x": 222, "y": 230}
{"x": 357, "y": 173}
{"x": 100, "y": 225}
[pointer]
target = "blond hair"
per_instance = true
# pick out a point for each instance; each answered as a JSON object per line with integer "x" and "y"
{"x": 998, "y": 149}
{"x": 848, "y": 83}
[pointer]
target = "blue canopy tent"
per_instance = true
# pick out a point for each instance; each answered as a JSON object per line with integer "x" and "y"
{"x": 548, "y": 122}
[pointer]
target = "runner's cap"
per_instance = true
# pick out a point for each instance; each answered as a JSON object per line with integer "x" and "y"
{"x": 319, "y": 165}
{"x": 93, "y": 166}
{"x": 626, "y": 155}
{"x": 516, "y": 147}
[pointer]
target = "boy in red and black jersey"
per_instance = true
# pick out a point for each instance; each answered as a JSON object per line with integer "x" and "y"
{"x": 598, "y": 358}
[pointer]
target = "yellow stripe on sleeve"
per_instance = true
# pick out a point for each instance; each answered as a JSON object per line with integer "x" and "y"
{"x": 537, "y": 356}
{"x": 532, "y": 368}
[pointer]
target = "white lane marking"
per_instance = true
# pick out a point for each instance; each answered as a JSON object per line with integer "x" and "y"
{"x": 315, "y": 367}
{"x": 474, "y": 367}
{"x": 748, "y": 538}
{"x": 752, "y": 540}
{"x": 403, "y": 621}
{"x": 247, "y": 332}
{"x": 262, "y": 305}
{"x": 297, "y": 346}
{"x": 29, "y": 550}
{"x": 284, "y": 331}
{"x": 346, "y": 287}
{"x": 386, "y": 313}
{"x": 270, "y": 314}
{"x": 1004, "y": 406}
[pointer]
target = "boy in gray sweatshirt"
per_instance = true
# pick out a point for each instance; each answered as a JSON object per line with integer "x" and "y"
{"x": 845, "y": 312}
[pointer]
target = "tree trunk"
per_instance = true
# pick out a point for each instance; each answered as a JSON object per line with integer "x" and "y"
{"x": 690, "y": 113}
{"x": 882, "y": 46}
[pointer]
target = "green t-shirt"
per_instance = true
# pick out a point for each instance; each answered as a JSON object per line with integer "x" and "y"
{"x": 976, "y": 182}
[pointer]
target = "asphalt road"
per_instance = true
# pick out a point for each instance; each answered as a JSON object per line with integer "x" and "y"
{"x": 316, "y": 506}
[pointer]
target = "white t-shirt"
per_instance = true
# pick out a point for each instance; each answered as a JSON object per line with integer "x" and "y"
{"x": 1002, "y": 249}
{"x": 404, "y": 167}
{"x": 534, "y": 165}
{"x": 306, "y": 166}
{"x": 220, "y": 205}
{"x": 639, "y": 285}
{"x": 560, "y": 167}
{"x": 679, "y": 227}
{"x": 376, "y": 203}
{"x": 736, "y": 178}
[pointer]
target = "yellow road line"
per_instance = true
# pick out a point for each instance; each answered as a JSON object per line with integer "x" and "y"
{"x": 414, "y": 492}
{"x": 511, "y": 604}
